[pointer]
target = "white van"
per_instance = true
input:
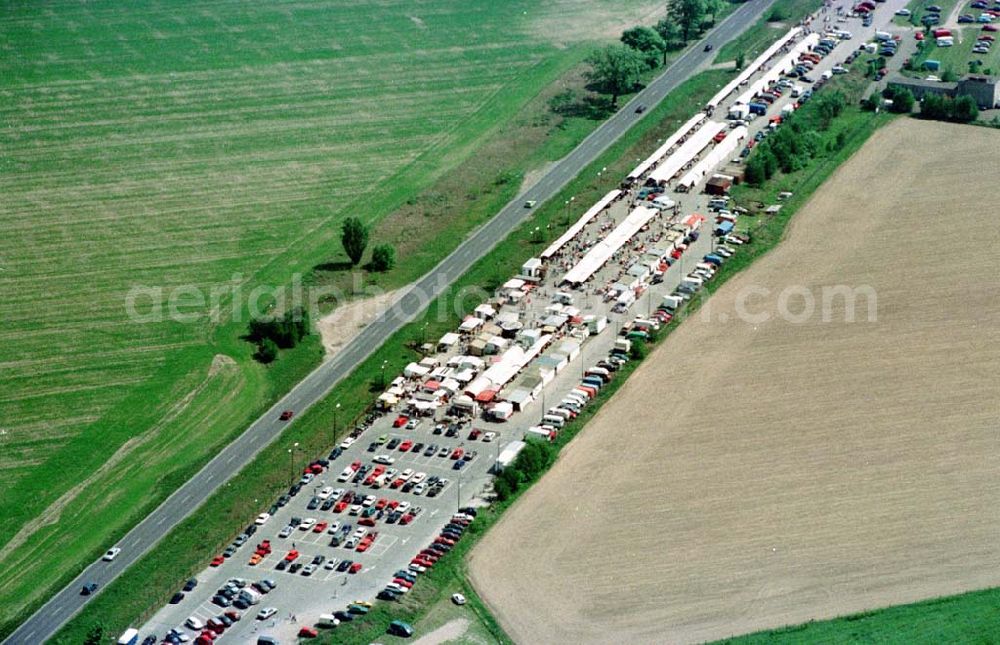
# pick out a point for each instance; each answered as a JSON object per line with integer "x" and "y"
{"x": 553, "y": 420}
{"x": 717, "y": 203}
{"x": 560, "y": 412}
{"x": 327, "y": 620}
{"x": 882, "y": 35}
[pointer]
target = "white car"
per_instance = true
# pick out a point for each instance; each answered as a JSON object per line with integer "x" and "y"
{"x": 355, "y": 510}
{"x": 418, "y": 477}
{"x": 308, "y": 477}
{"x": 285, "y": 532}
{"x": 194, "y": 623}
{"x": 360, "y": 532}
{"x": 389, "y": 474}
{"x": 351, "y": 542}
{"x": 111, "y": 554}
{"x": 331, "y": 564}
{"x": 266, "y": 613}
{"x": 334, "y": 528}
{"x": 412, "y": 424}
{"x": 419, "y": 489}
{"x": 458, "y": 599}
{"x": 346, "y": 443}
{"x": 307, "y": 524}
{"x": 346, "y": 475}
{"x": 903, "y": 12}
{"x": 263, "y": 517}
{"x": 489, "y": 436}
{"x": 406, "y": 474}
{"x": 385, "y": 460}
{"x": 368, "y": 501}
{"x": 403, "y": 507}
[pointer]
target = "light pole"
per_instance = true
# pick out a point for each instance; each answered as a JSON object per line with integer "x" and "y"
{"x": 336, "y": 409}
{"x": 291, "y": 459}
{"x": 570, "y": 201}
{"x": 384, "y": 363}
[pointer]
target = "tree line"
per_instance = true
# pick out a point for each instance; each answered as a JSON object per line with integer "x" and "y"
{"x": 616, "y": 69}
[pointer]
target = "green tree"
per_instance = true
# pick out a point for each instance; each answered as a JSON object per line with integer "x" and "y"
{"x": 502, "y": 489}
{"x": 829, "y": 106}
{"x": 964, "y": 110}
{"x": 267, "y": 351}
{"x": 95, "y": 635}
{"x": 690, "y": 15}
{"x": 383, "y": 257}
{"x": 741, "y": 60}
{"x": 755, "y": 173}
{"x": 615, "y": 69}
{"x": 647, "y": 42}
{"x": 949, "y": 75}
{"x": 354, "y": 237}
{"x": 902, "y": 101}
{"x": 671, "y": 33}
{"x": 714, "y": 7}
{"x": 511, "y": 477}
{"x": 638, "y": 350}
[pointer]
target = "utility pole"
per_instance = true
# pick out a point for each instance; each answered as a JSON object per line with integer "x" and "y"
{"x": 336, "y": 408}
{"x": 291, "y": 459}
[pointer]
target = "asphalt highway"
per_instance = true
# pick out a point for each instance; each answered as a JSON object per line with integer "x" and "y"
{"x": 67, "y": 602}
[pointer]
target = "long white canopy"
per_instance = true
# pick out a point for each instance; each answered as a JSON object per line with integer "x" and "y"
{"x": 687, "y": 151}
{"x": 716, "y": 156}
{"x": 572, "y": 231}
{"x": 753, "y": 67}
{"x": 603, "y": 250}
{"x": 671, "y": 141}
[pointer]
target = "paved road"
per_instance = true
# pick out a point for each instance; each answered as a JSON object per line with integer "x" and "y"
{"x": 66, "y": 603}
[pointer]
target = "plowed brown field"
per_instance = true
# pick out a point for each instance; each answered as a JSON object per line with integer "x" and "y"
{"x": 756, "y": 474}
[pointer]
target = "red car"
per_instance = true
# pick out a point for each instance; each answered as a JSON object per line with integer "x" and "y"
{"x": 397, "y": 483}
{"x": 217, "y": 560}
{"x": 392, "y": 505}
{"x": 366, "y": 521}
{"x": 339, "y": 507}
{"x": 233, "y": 615}
{"x": 719, "y": 137}
{"x": 991, "y": 28}
{"x": 286, "y": 415}
{"x": 475, "y": 434}
{"x": 400, "y": 421}
{"x": 381, "y": 503}
{"x": 406, "y": 519}
{"x": 308, "y": 632}
{"x": 403, "y": 582}
{"x": 355, "y": 465}
{"x": 355, "y": 568}
{"x": 457, "y": 453}
{"x": 319, "y": 528}
{"x": 292, "y": 556}
{"x": 405, "y": 446}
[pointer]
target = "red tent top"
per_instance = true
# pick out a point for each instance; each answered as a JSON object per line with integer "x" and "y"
{"x": 486, "y": 396}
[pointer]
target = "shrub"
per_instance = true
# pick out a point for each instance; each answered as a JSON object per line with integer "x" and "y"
{"x": 383, "y": 257}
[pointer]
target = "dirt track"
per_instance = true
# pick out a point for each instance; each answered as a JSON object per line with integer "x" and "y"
{"x": 773, "y": 473}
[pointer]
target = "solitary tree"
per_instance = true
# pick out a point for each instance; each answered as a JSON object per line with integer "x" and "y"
{"x": 615, "y": 69}
{"x": 647, "y": 42}
{"x": 354, "y": 237}
{"x": 741, "y": 60}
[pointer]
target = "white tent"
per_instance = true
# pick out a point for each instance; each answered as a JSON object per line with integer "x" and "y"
{"x": 671, "y": 141}
{"x": 578, "y": 226}
{"x": 603, "y": 250}
{"x": 752, "y": 68}
{"x": 716, "y": 156}
{"x": 687, "y": 151}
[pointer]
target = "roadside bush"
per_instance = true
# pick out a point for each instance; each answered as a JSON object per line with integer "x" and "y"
{"x": 942, "y": 108}
{"x": 902, "y": 99}
{"x": 267, "y": 351}
{"x": 383, "y": 257}
{"x": 638, "y": 350}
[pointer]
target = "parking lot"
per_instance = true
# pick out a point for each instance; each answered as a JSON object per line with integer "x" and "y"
{"x": 431, "y": 463}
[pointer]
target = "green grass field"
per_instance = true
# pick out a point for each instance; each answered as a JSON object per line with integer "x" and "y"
{"x": 957, "y": 57}
{"x": 209, "y": 145}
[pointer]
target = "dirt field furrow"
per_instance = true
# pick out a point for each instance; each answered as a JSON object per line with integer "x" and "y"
{"x": 754, "y": 474}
